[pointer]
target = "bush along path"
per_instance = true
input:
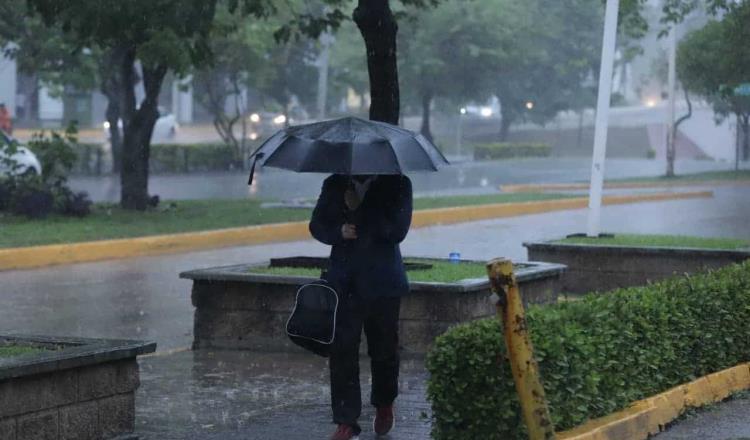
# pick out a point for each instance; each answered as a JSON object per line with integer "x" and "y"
{"x": 596, "y": 356}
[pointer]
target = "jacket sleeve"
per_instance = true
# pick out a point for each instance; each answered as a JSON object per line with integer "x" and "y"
{"x": 326, "y": 221}
{"x": 395, "y": 221}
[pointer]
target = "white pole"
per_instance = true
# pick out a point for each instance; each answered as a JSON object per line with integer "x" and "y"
{"x": 602, "y": 117}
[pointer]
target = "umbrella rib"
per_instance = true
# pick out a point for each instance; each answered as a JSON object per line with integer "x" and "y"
{"x": 395, "y": 156}
{"x": 267, "y": 158}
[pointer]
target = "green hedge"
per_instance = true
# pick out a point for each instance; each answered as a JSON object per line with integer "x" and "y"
{"x": 175, "y": 158}
{"x": 165, "y": 158}
{"x": 508, "y": 150}
{"x": 595, "y": 355}
{"x": 89, "y": 158}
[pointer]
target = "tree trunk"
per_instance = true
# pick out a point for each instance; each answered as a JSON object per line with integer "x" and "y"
{"x": 111, "y": 86}
{"x": 378, "y": 27}
{"x": 505, "y": 120}
{"x": 579, "y": 135}
{"x": 138, "y": 125}
{"x": 672, "y": 140}
{"x": 426, "y": 101}
{"x": 506, "y": 116}
{"x": 115, "y": 140}
{"x": 746, "y": 137}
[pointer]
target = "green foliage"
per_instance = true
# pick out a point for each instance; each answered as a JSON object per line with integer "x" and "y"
{"x": 596, "y": 355}
{"x": 510, "y": 150}
{"x": 56, "y": 153}
{"x": 7, "y": 351}
{"x": 108, "y": 221}
{"x": 175, "y": 158}
{"x": 660, "y": 241}
{"x": 712, "y": 61}
{"x": 441, "y": 272}
{"x": 35, "y": 196}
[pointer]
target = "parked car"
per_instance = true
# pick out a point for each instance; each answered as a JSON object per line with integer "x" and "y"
{"x": 166, "y": 127}
{"x": 25, "y": 160}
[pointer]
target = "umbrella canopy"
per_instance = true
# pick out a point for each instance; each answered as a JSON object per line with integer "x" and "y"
{"x": 350, "y": 146}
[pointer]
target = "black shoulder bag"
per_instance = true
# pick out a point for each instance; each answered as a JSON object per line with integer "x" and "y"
{"x": 312, "y": 324}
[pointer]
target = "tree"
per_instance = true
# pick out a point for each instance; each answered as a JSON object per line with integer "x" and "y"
{"x": 45, "y": 53}
{"x": 549, "y": 49}
{"x": 444, "y": 51}
{"x": 714, "y": 61}
{"x": 239, "y": 61}
{"x": 150, "y": 37}
{"x": 377, "y": 25}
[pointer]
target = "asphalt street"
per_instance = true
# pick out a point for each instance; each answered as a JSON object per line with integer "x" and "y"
{"x": 463, "y": 178}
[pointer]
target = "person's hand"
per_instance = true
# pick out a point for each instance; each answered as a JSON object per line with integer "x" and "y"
{"x": 351, "y": 199}
{"x": 349, "y": 231}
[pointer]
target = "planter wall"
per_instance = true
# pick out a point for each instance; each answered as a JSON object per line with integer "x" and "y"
{"x": 602, "y": 268}
{"x": 235, "y": 309}
{"x": 83, "y": 389}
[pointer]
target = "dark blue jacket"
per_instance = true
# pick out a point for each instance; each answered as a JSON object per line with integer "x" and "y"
{"x": 371, "y": 265}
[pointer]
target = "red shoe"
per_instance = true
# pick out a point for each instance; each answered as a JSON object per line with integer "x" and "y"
{"x": 384, "y": 420}
{"x": 344, "y": 432}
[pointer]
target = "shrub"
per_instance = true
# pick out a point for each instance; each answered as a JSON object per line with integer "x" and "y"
{"x": 31, "y": 198}
{"x": 56, "y": 154}
{"x": 174, "y": 158}
{"x": 37, "y": 196}
{"x": 595, "y": 355}
{"x": 508, "y": 150}
{"x": 71, "y": 203}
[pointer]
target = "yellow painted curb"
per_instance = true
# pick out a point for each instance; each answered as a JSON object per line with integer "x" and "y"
{"x": 650, "y": 416}
{"x": 47, "y": 255}
{"x": 552, "y": 187}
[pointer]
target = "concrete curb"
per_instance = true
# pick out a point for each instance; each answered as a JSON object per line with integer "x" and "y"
{"x": 649, "y": 416}
{"x": 47, "y": 255}
{"x": 552, "y": 187}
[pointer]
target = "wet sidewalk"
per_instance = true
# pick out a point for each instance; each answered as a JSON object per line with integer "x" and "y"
{"x": 226, "y": 395}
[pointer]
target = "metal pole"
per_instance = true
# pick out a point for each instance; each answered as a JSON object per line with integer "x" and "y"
{"x": 602, "y": 117}
{"x": 507, "y": 299}
{"x": 672, "y": 90}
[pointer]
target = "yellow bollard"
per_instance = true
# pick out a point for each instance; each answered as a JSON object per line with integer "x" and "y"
{"x": 525, "y": 370}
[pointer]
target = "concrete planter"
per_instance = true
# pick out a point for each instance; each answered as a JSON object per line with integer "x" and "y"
{"x": 601, "y": 268}
{"x": 80, "y": 389}
{"x": 236, "y": 309}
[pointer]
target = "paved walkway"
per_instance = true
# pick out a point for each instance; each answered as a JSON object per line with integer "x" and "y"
{"x": 240, "y": 395}
{"x": 232, "y": 395}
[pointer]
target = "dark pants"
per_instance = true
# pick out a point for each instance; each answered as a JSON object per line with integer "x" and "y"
{"x": 379, "y": 318}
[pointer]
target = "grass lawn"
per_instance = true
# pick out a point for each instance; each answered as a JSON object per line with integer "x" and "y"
{"x": 697, "y": 177}
{"x": 17, "y": 350}
{"x": 108, "y": 221}
{"x": 441, "y": 272}
{"x": 661, "y": 241}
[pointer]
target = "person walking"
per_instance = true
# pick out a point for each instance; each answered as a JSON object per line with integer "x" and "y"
{"x": 6, "y": 123}
{"x": 363, "y": 219}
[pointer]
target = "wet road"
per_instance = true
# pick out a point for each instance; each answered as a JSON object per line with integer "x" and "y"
{"x": 462, "y": 178}
{"x": 729, "y": 420}
{"x": 143, "y": 298}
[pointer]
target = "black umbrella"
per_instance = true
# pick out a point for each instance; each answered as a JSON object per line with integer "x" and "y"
{"x": 351, "y": 146}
